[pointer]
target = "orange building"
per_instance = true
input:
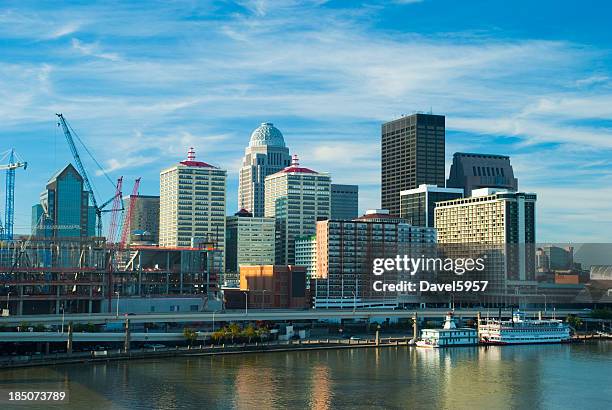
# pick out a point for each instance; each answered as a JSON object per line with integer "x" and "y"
{"x": 566, "y": 279}
{"x": 274, "y": 286}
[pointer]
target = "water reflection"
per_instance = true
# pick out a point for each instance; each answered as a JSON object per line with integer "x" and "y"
{"x": 392, "y": 377}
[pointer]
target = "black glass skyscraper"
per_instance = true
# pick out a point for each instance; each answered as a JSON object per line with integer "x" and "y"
{"x": 412, "y": 154}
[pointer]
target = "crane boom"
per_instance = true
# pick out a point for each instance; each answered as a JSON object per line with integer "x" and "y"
{"x": 127, "y": 224}
{"x": 112, "y": 229}
{"x": 81, "y": 168}
{"x": 9, "y": 209}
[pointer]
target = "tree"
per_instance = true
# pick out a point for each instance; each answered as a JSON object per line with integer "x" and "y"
{"x": 249, "y": 333}
{"x": 218, "y": 336}
{"x": 190, "y": 334}
{"x": 574, "y": 321}
{"x": 234, "y": 331}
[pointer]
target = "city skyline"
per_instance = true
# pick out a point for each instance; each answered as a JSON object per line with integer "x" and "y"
{"x": 141, "y": 97}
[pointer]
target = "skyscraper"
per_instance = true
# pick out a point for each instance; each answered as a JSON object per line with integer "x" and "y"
{"x": 417, "y": 205}
{"x": 192, "y": 204}
{"x": 412, "y": 154}
{"x": 344, "y": 201}
{"x": 249, "y": 241}
{"x": 345, "y": 253}
{"x": 64, "y": 209}
{"x": 493, "y": 217}
{"x": 145, "y": 217}
{"x": 265, "y": 155}
{"x": 473, "y": 171}
{"x": 296, "y": 197}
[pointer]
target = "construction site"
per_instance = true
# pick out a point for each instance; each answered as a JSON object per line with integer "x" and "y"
{"x": 50, "y": 276}
{"x": 66, "y": 264}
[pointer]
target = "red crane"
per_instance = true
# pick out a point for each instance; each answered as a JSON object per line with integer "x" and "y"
{"x": 117, "y": 207}
{"x": 127, "y": 221}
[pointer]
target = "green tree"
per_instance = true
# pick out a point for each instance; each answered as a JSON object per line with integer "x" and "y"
{"x": 574, "y": 321}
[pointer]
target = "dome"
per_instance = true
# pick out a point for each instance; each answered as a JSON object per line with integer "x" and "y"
{"x": 267, "y": 135}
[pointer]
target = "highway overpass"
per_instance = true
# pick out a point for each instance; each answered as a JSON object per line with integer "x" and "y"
{"x": 266, "y": 315}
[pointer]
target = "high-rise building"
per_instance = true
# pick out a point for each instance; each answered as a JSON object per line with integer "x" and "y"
{"x": 297, "y": 197}
{"x": 498, "y": 219}
{"x": 473, "y": 171}
{"x": 417, "y": 205}
{"x": 412, "y": 154}
{"x": 64, "y": 209}
{"x": 265, "y": 155}
{"x": 344, "y": 201}
{"x": 144, "y": 223}
{"x": 345, "y": 253}
{"x": 306, "y": 255}
{"x": 249, "y": 241}
{"x": 192, "y": 204}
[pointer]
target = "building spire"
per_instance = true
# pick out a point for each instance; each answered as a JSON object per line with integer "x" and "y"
{"x": 191, "y": 154}
{"x": 295, "y": 161}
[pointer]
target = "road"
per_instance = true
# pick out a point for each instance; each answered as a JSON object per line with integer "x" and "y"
{"x": 267, "y": 315}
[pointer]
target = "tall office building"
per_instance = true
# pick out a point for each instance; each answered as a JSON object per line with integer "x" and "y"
{"x": 64, "y": 209}
{"x": 412, "y": 154}
{"x": 192, "y": 204}
{"x": 144, "y": 221}
{"x": 344, "y": 201}
{"x": 473, "y": 171}
{"x": 345, "y": 254}
{"x": 417, "y": 205}
{"x": 297, "y": 197}
{"x": 306, "y": 255}
{"x": 265, "y": 155}
{"x": 499, "y": 219}
{"x": 249, "y": 241}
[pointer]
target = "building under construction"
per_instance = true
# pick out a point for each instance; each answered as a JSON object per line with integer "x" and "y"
{"x": 84, "y": 275}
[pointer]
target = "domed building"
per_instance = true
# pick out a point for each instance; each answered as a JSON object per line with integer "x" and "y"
{"x": 265, "y": 155}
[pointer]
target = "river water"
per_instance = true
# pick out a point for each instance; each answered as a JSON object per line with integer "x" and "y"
{"x": 577, "y": 376}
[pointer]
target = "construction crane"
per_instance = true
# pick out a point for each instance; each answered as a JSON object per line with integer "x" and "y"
{"x": 9, "y": 207}
{"x": 127, "y": 220}
{"x": 99, "y": 209}
{"x": 112, "y": 229}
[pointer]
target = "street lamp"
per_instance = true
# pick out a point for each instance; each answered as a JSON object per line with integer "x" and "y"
{"x": 354, "y": 301}
{"x": 117, "y": 293}
{"x": 246, "y": 303}
{"x": 63, "y": 316}
{"x": 263, "y": 299}
{"x": 213, "y": 324}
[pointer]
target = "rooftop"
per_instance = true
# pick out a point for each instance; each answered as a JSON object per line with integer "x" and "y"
{"x": 267, "y": 135}
{"x": 295, "y": 167}
{"x": 191, "y": 162}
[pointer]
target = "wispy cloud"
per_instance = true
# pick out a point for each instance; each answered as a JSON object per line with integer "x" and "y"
{"x": 93, "y": 49}
{"x": 197, "y": 74}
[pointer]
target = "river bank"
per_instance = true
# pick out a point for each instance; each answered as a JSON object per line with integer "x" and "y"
{"x": 224, "y": 349}
{"x": 199, "y": 350}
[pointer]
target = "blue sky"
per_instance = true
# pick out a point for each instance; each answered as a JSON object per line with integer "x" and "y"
{"x": 143, "y": 81}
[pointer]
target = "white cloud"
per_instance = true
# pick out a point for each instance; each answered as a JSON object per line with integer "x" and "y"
{"x": 93, "y": 50}
{"x": 171, "y": 82}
